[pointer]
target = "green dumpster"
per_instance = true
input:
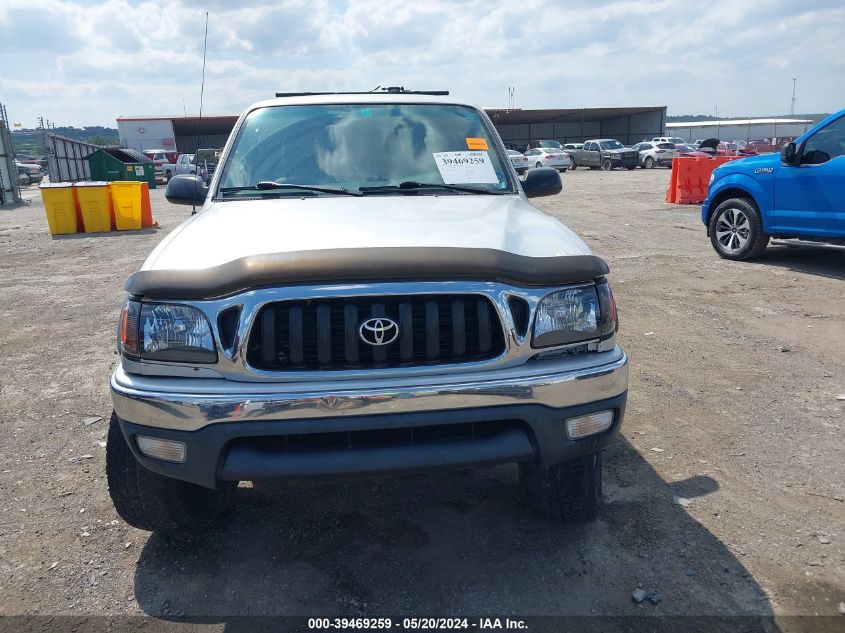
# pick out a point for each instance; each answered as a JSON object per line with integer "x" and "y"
{"x": 110, "y": 164}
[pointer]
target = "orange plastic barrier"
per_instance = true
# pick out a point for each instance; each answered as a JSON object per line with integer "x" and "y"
{"x": 672, "y": 191}
{"x": 146, "y": 208}
{"x": 690, "y": 178}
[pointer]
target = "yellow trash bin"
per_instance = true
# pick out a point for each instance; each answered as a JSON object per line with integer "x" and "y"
{"x": 96, "y": 206}
{"x": 126, "y": 197}
{"x": 60, "y": 207}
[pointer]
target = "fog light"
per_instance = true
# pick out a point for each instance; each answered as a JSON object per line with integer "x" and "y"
{"x": 585, "y": 425}
{"x": 166, "y": 450}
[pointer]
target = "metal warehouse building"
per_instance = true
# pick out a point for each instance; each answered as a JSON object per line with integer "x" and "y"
{"x": 174, "y": 133}
{"x": 518, "y": 128}
{"x": 744, "y": 129}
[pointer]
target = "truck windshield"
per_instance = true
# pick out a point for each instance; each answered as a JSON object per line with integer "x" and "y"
{"x": 611, "y": 145}
{"x": 363, "y": 146}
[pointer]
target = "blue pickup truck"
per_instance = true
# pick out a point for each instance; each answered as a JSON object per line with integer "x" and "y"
{"x": 797, "y": 194}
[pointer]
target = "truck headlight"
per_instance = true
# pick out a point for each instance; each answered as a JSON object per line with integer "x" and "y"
{"x": 575, "y": 315}
{"x": 166, "y": 332}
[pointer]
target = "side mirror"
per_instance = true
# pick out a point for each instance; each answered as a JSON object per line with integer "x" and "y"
{"x": 543, "y": 181}
{"x": 789, "y": 154}
{"x": 186, "y": 189}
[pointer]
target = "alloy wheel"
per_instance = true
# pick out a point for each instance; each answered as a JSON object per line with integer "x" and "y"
{"x": 733, "y": 230}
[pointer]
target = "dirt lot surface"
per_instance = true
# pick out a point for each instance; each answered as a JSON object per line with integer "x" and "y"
{"x": 735, "y": 372}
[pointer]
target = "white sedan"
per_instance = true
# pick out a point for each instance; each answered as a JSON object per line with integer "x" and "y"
{"x": 549, "y": 157}
{"x": 652, "y": 153}
{"x": 519, "y": 161}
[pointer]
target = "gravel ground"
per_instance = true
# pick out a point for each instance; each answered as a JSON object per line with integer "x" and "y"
{"x": 735, "y": 372}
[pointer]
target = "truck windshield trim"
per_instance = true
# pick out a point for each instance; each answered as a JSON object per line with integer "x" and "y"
{"x": 353, "y": 147}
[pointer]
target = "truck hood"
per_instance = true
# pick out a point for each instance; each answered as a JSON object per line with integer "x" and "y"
{"x": 226, "y": 231}
{"x": 621, "y": 150}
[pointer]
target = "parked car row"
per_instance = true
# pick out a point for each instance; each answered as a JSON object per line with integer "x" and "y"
{"x": 169, "y": 164}
{"x": 605, "y": 154}
{"x": 549, "y": 157}
{"x": 29, "y": 173}
{"x": 608, "y": 153}
{"x": 655, "y": 153}
{"x": 205, "y": 161}
{"x": 540, "y": 157}
{"x": 184, "y": 164}
{"x": 661, "y": 150}
{"x": 28, "y": 159}
{"x": 160, "y": 158}
{"x": 518, "y": 160}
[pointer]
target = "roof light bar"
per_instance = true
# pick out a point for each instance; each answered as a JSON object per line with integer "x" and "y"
{"x": 379, "y": 90}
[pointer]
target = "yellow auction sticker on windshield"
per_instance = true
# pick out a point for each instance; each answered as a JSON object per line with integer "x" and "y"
{"x": 465, "y": 168}
{"x": 477, "y": 143}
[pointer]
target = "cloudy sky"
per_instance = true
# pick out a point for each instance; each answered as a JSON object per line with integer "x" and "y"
{"x": 86, "y": 62}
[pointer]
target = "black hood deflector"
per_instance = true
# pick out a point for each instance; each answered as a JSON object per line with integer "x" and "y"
{"x": 360, "y": 265}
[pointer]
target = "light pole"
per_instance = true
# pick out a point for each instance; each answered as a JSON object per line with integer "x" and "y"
{"x": 792, "y": 107}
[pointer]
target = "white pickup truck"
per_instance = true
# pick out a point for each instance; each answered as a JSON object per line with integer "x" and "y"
{"x": 184, "y": 165}
{"x": 367, "y": 290}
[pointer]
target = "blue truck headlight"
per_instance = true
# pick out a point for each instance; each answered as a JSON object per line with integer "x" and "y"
{"x": 575, "y": 315}
{"x": 176, "y": 333}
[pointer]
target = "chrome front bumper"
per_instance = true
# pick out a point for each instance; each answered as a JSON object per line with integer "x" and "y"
{"x": 190, "y": 404}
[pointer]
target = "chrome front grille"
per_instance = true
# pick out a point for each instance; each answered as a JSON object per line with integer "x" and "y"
{"x": 324, "y": 334}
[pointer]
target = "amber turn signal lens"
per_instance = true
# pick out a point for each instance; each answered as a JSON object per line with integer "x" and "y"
{"x": 129, "y": 328}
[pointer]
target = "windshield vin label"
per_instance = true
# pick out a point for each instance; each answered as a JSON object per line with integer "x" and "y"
{"x": 476, "y": 143}
{"x": 457, "y": 168}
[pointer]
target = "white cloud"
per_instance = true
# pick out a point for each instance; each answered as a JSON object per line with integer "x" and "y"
{"x": 79, "y": 62}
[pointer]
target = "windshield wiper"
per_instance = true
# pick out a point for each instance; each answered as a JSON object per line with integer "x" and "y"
{"x": 413, "y": 187}
{"x": 269, "y": 185}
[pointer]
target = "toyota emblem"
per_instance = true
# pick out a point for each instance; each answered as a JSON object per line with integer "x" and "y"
{"x": 378, "y": 331}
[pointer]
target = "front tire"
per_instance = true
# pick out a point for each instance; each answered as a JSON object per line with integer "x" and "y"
{"x": 648, "y": 163}
{"x": 574, "y": 166}
{"x": 538, "y": 165}
{"x": 736, "y": 230}
{"x": 149, "y": 501}
{"x": 569, "y": 491}
{"x": 167, "y": 176}
{"x": 606, "y": 165}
